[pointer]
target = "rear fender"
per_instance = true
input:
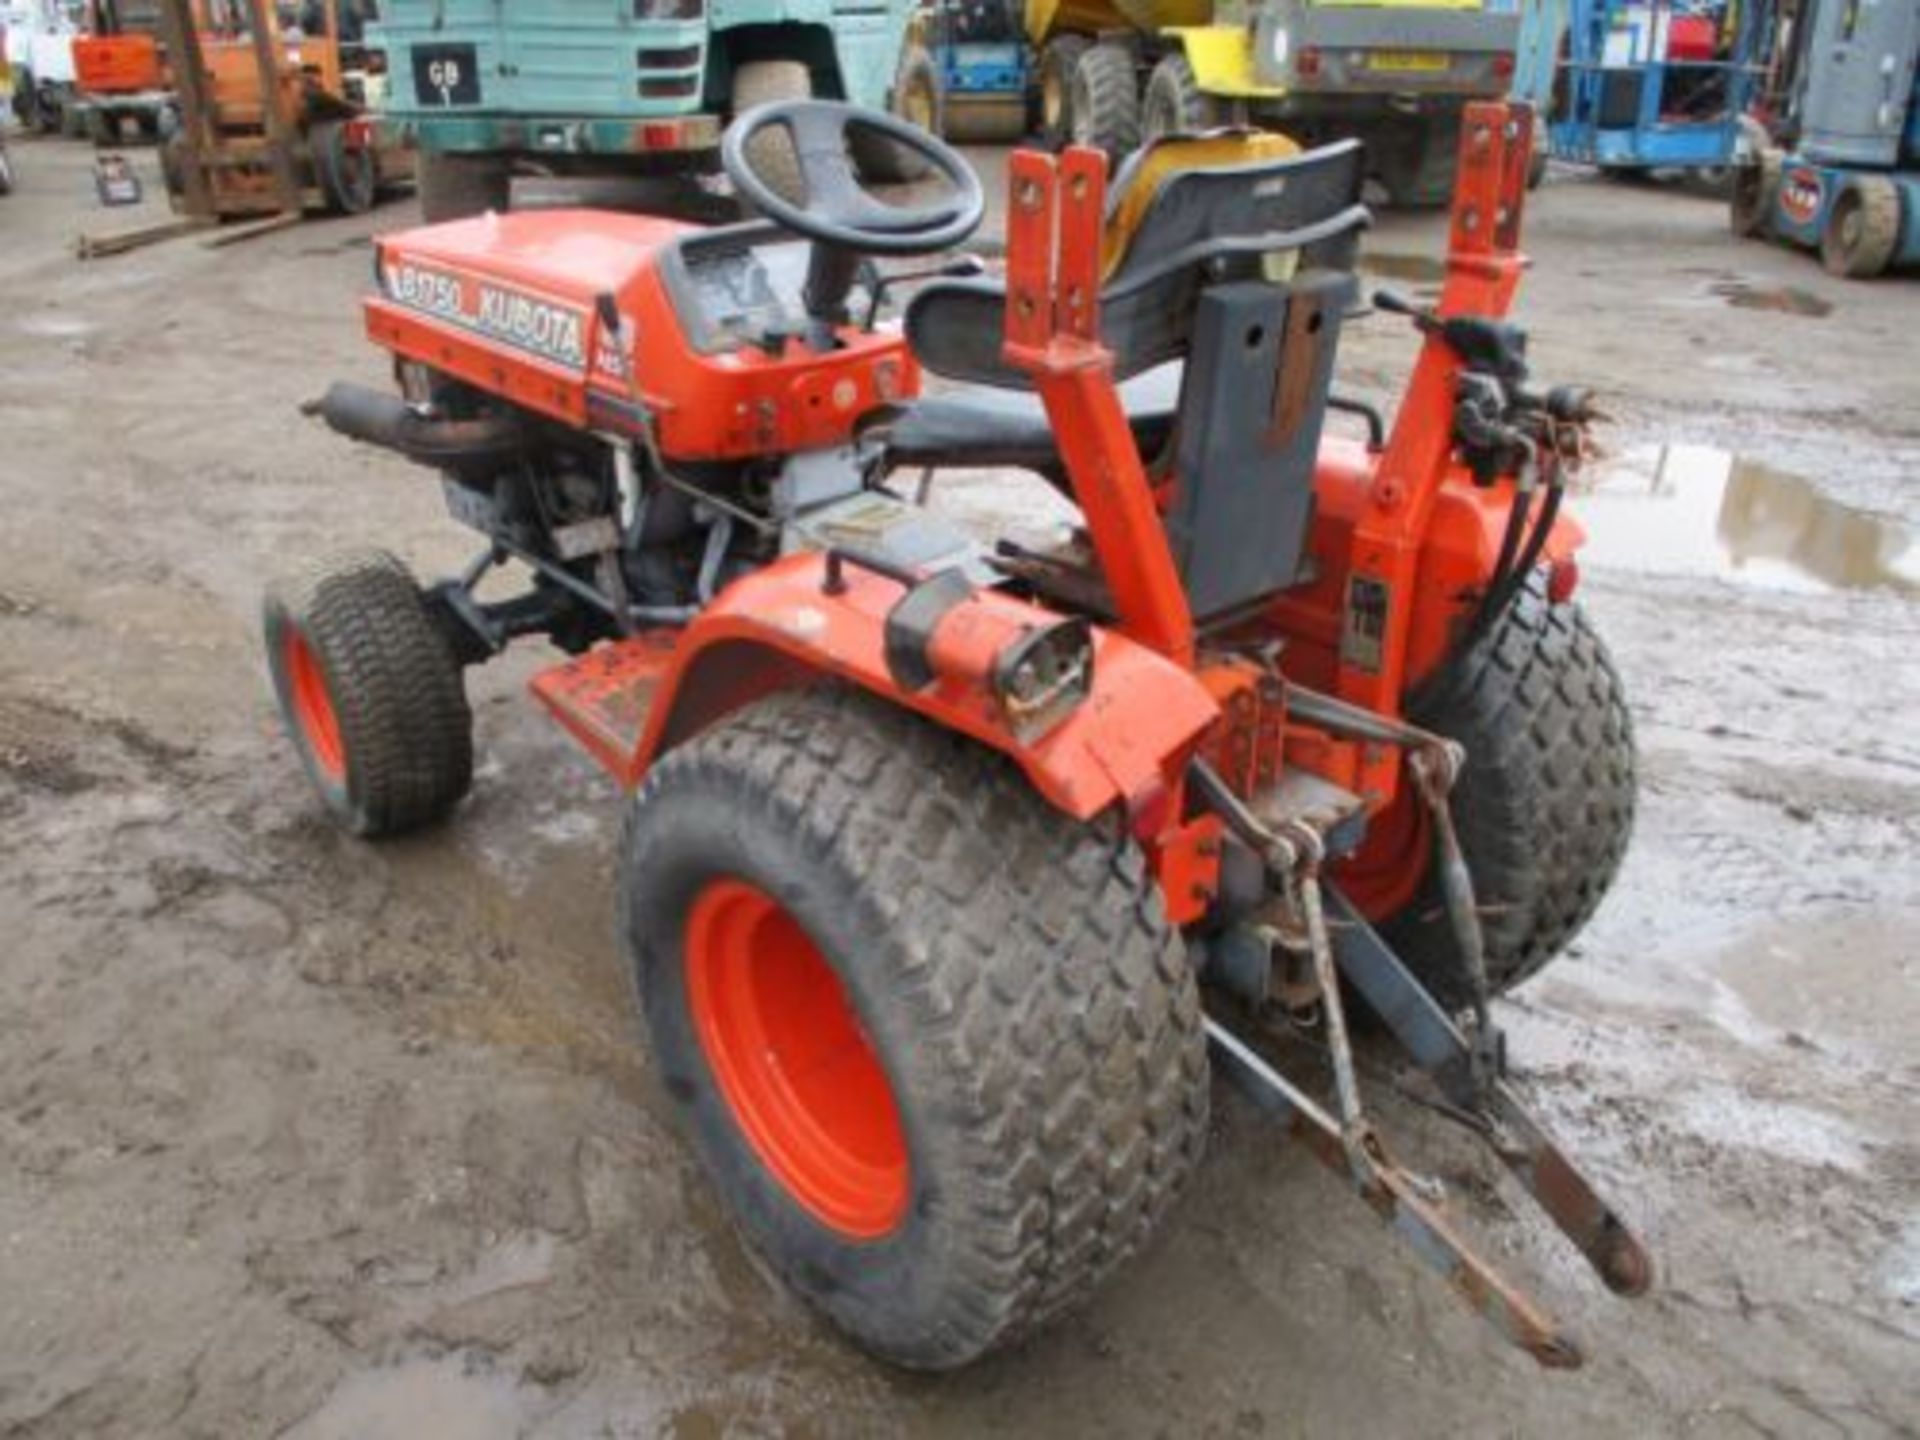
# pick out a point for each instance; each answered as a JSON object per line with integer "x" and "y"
{"x": 1128, "y": 740}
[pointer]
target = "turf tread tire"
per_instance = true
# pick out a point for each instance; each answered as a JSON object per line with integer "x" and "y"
{"x": 395, "y": 686}
{"x": 1544, "y": 806}
{"x": 1033, "y": 1007}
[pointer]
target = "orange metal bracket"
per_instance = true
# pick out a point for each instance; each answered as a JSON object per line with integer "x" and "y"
{"x": 1053, "y": 333}
{"x": 1483, "y": 268}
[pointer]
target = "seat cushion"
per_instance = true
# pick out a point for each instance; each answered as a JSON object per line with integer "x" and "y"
{"x": 971, "y": 428}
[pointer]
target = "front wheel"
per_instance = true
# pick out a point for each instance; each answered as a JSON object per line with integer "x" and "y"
{"x": 1175, "y": 104}
{"x": 371, "y": 693}
{"x": 349, "y": 175}
{"x": 937, "y": 1045}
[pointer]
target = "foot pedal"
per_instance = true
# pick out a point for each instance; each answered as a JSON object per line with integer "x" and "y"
{"x": 605, "y": 697}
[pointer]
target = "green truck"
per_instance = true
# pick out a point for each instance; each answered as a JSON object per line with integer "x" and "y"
{"x": 597, "y": 88}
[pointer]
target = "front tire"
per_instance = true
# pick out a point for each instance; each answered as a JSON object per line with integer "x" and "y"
{"x": 370, "y": 693}
{"x": 349, "y": 177}
{"x": 1175, "y": 104}
{"x": 1106, "y": 102}
{"x": 827, "y": 886}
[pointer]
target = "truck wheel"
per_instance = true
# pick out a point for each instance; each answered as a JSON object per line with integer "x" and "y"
{"x": 1059, "y": 59}
{"x": 1415, "y": 163}
{"x": 937, "y": 1045}
{"x": 49, "y": 110}
{"x": 1106, "y": 101}
{"x": 1175, "y": 104}
{"x": 760, "y": 82}
{"x": 349, "y": 178}
{"x": 1756, "y": 185}
{"x": 453, "y": 186}
{"x": 1545, "y": 804}
{"x": 6, "y": 170}
{"x": 370, "y": 693}
{"x": 915, "y": 99}
{"x": 1863, "y": 228}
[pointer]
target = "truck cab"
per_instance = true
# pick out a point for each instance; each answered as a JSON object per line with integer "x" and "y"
{"x": 597, "y": 87}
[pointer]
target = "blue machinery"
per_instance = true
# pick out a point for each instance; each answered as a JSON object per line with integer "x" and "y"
{"x": 1845, "y": 178}
{"x": 1643, "y": 84}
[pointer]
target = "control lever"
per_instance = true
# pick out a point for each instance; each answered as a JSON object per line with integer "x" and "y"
{"x": 1487, "y": 347}
{"x": 961, "y": 267}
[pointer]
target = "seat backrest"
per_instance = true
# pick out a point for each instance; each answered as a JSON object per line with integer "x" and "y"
{"x": 1201, "y": 224}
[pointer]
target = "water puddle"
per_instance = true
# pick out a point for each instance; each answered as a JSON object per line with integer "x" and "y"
{"x": 1783, "y": 299}
{"x": 457, "y": 1397}
{"x": 1700, "y": 511}
{"x": 1397, "y": 266}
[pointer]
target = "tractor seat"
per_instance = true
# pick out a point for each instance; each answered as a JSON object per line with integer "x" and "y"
{"x": 1184, "y": 213}
{"x": 980, "y": 429}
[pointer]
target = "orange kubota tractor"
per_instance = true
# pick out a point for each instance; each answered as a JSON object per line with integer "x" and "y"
{"x": 935, "y": 845}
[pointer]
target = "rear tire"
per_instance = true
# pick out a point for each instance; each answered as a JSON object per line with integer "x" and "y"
{"x": 1544, "y": 806}
{"x": 1010, "y": 1009}
{"x": 1862, "y": 232}
{"x": 6, "y": 170}
{"x": 370, "y": 693}
{"x": 1058, "y": 61}
{"x": 1106, "y": 102}
{"x": 453, "y": 186}
{"x": 1175, "y": 104}
{"x": 771, "y": 153}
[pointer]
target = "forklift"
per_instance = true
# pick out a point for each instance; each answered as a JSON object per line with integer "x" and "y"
{"x": 1645, "y": 85}
{"x": 1839, "y": 169}
{"x": 271, "y": 117}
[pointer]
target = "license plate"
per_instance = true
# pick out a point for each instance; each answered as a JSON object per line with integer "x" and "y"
{"x": 1423, "y": 62}
{"x": 446, "y": 75}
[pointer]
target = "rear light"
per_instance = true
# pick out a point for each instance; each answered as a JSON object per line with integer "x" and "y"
{"x": 1307, "y": 65}
{"x": 660, "y": 137}
{"x": 1503, "y": 66}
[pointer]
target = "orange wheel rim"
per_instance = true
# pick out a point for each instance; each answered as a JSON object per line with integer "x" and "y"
{"x": 312, "y": 707}
{"x": 792, "y": 1061}
{"x": 1386, "y": 872}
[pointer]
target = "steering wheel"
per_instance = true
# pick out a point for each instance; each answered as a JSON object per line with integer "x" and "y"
{"x": 837, "y": 210}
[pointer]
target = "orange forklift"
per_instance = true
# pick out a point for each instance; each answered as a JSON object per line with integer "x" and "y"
{"x": 272, "y": 117}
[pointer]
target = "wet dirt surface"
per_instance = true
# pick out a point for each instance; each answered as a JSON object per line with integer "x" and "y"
{"x": 301, "y": 1136}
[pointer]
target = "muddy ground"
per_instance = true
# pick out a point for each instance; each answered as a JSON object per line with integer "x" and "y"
{"x": 301, "y": 1136}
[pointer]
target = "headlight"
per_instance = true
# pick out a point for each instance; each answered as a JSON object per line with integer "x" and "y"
{"x": 1281, "y": 47}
